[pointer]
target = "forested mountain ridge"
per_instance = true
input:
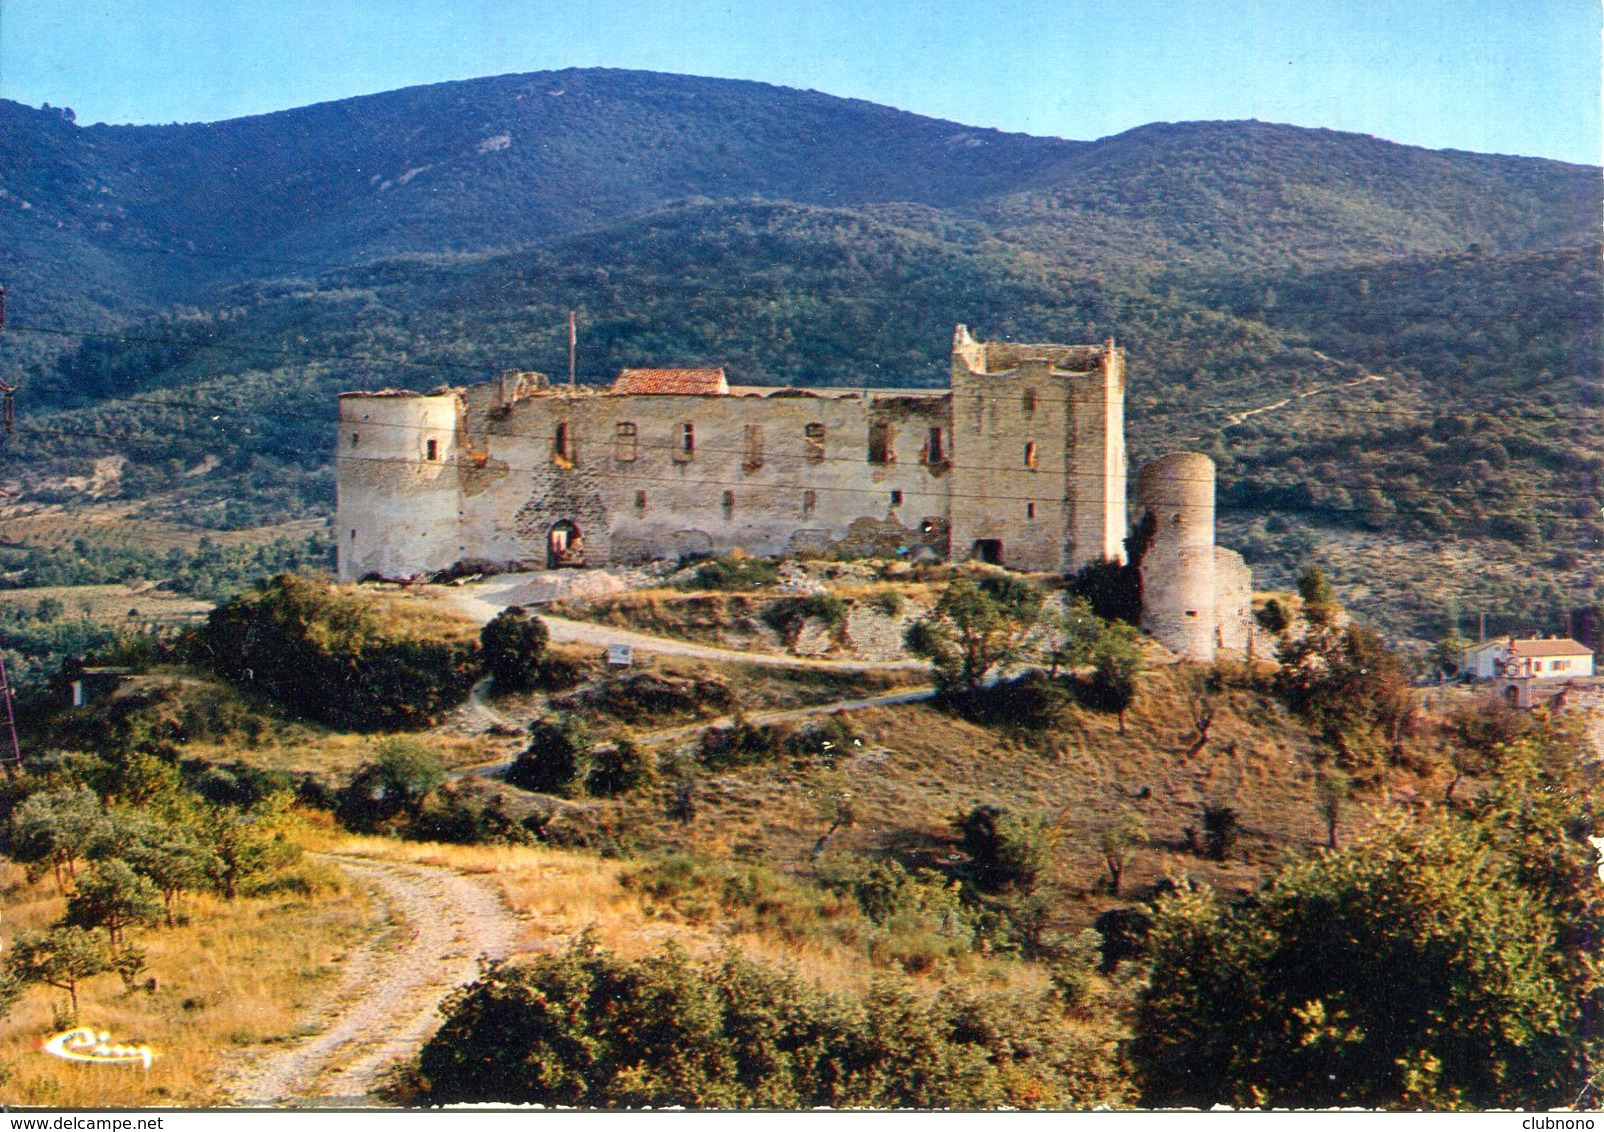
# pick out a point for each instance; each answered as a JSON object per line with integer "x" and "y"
{"x": 1360, "y": 332}
{"x": 127, "y": 219}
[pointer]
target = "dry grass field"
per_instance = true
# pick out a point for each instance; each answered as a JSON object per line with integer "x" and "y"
{"x": 136, "y": 605}
{"x": 914, "y": 767}
{"x": 113, "y": 521}
{"x": 232, "y": 975}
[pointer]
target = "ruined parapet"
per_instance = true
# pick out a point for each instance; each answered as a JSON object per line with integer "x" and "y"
{"x": 1233, "y": 601}
{"x": 1178, "y": 566}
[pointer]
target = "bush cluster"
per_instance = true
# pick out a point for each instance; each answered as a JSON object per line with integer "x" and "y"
{"x": 590, "y": 1029}
{"x": 345, "y": 659}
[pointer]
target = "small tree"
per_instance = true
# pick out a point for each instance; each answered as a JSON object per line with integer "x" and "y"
{"x": 1082, "y": 629}
{"x": 1477, "y": 736}
{"x": 1448, "y": 654}
{"x": 1006, "y": 851}
{"x": 831, "y": 795}
{"x": 975, "y": 627}
{"x": 113, "y": 896}
{"x": 395, "y": 783}
{"x": 62, "y": 958}
{"x": 1118, "y": 842}
{"x": 175, "y": 862}
{"x": 1331, "y": 788}
{"x": 55, "y": 828}
{"x": 618, "y": 769}
{"x": 1220, "y": 828}
{"x": 239, "y": 847}
{"x": 558, "y": 757}
{"x": 1319, "y": 599}
{"x": 514, "y": 644}
{"x": 1116, "y": 667}
{"x": 1273, "y": 617}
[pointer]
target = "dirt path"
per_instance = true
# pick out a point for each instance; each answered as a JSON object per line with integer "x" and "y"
{"x": 386, "y": 1007}
{"x": 1238, "y": 418}
{"x": 482, "y": 601}
{"x": 685, "y": 731}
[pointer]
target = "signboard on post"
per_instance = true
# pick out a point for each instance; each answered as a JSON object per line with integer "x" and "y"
{"x": 620, "y": 656}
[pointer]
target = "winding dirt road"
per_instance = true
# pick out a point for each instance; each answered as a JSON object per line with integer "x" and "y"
{"x": 483, "y": 600}
{"x": 441, "y": 922}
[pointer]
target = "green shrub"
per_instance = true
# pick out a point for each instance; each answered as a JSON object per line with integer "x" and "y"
{"x": 619, "y": 769}
{"x": 557, "y": 759}
{"x": 592, "y": 1030}
{"x": 457, "y": 816}
{"x": 340, "y": 657}
{"x": 787, "y": 616}
{"x": 732, "y": 573}
{"x": 1034, "y": 701}
{"x": 1416, "y": 970}
{"x": 514, "y": 646}
{"x": 391, "y": 787}
{"x": 1221, "y": 827}
{"x": 1006, "y": 851}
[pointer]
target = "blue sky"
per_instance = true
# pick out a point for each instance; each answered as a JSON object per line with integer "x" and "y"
{"x": 1498, "y": 76}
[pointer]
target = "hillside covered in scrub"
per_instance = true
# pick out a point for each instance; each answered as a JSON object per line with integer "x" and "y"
{"x": 711, "y": 883}
{"x": 1367, "y": 337}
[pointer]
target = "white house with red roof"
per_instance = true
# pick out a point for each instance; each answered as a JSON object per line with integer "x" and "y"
{"x": 1543, "y": 658}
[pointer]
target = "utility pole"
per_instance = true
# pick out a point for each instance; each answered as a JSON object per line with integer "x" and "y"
{"x": 8, "y": 393}
{"x": 11, "y": 750}
{"x": 573, "y": 342}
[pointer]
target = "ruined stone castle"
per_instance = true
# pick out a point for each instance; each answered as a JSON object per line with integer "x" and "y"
{"x": 1019, "y": 462}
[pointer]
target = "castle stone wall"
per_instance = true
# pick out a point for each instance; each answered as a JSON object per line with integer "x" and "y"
{"x": 1022, "y": 459}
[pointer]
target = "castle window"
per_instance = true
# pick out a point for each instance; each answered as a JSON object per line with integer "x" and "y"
{"x": 685, "y": 448}
{"x": 813, "y": 435}
{"x": 431, "y": 450}
{"x": 754, "y": 448}
{"x": 625, "y": 440}
{"x": 353, "y": 534}
{"x": 1030, "y": 454}
{"x": 356, "y": 438}
{"x": 562, "y": 445}
{"x": 1030, "y": 510}
{"x": 880, "y": 444}
{"x": 896, "y": 499}
{"x": 935, "y": 453}
{"x": 640, "y": 501}
{"x": 729, "y": 504}
{"x": 810, "y": 500}
{"x": 1029, "y": 401}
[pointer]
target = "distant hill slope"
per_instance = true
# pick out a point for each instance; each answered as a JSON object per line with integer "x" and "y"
{"x": 126, "y": 219}
{"x": 796, "y": 294}
{"x": 1414, "y": 332}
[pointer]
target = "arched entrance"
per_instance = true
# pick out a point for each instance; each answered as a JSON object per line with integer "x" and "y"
{"x": 564, "y": 546}
{"x": 989, "y": 550}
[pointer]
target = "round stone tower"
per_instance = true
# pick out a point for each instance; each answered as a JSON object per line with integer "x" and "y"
{"x": 1176, "y": 494}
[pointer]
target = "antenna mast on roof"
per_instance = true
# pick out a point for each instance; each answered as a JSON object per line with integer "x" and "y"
{"x": 573, "y": 341}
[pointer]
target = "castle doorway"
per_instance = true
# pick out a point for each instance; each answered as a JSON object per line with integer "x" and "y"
{"x": 989, "y": 550}
{"x": 564, "y": 546}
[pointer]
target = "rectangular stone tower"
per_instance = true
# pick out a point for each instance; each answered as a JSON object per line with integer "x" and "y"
{"x": 1038, "y": 453}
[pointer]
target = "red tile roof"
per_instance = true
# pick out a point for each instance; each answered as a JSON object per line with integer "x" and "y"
{"x": 1559, "y": 647}
{"x": 684, "y": 381}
